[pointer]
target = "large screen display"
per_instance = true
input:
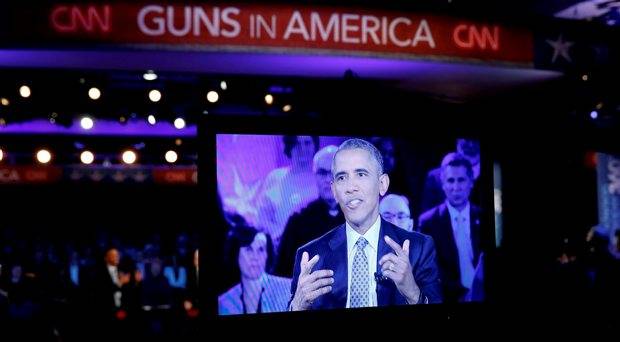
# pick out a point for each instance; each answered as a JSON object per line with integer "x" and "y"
{"x": 329, "y": 222}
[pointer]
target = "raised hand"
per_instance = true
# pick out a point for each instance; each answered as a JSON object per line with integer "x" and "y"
{"x": 311, "y": 285}
{"x": 396, "y": 266}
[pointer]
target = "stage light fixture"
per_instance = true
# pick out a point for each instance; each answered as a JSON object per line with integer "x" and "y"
{"x": 87, "y": 123}
{"x": 87, "y": 157}
{"x": 150, "y": 75}
{"x": 213, "y": 96}
{"x": 154, "y": 95}
{"x": 129, "y": 157}
{"x": 24, "y": 91}
{"x": 94, "y": 93}
{"x": 44, "y": 156}
{"x": 179, "y": 123}
{"x": 171, "y": 156}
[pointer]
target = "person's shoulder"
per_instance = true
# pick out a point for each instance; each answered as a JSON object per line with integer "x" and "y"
{"x": 311, "y": 209}
{"x": 232, "y": 293}
{"x": 314, "y": 205}
{"x": 276, "y": 175}
{"x": 299, "y": 219}
{"x": 229, "y": 303}
{"x": 100, "y": 270}
{"x": 278, "y": 281}
{"x": 417, "y": 237}
{"x": 322, "y": 240}
{"x": 279, "y": 172}
{"x": 413, "y": 237}
{"x": 431, "y": 213}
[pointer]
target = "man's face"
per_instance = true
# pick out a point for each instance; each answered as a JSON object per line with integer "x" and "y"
{"x": 456, "y": 185}
{"x": 303, "y": 151}
{"x": 323, "y": 176}
{"x": 394, "y": 210}
{"x": 112, "y": 257}
{"x": 357, "y": 186}
{"x": 253, "y": 258}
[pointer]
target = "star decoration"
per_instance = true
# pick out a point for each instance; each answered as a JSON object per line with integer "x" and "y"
{"x": 560, "y": 48}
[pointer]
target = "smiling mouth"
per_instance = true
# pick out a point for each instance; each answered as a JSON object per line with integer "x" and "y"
{"x": 352, "y": 204}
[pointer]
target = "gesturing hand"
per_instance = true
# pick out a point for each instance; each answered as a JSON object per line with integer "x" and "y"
{"x": 311, "y": 285}
{"x": 397, "y": 267}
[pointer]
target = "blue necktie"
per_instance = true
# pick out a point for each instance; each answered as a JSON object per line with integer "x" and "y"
{"x": 359, "y": 276}
{"x": 466, "y": 254}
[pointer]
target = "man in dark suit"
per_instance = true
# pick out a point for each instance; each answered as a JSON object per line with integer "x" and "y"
{"x": 108, "y": 296}
{"x": 108, "y": 284}
{"x": 433, "y": 193}
{"x": 366, "y": 261}
{"x": 455, "y": 228}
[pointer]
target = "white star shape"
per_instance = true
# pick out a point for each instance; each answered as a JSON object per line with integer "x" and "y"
{"x": 560, "y": 48}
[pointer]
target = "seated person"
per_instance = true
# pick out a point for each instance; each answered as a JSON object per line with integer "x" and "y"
{"x": 365, "y": 261}
{"x": 156, "y": 290}
{"x": 395, "y": 209}
{"x": 257, "y": 292}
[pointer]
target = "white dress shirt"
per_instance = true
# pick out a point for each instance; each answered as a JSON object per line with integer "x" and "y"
{"x": 372, "y": 236}
{"x": 113, "y": 270}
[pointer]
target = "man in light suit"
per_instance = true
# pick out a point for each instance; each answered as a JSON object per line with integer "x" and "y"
{"x": 455, "y": 228}
{"x": 366, "y": 261}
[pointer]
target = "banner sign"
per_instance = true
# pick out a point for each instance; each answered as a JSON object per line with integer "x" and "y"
{"x": 187, "y": 176}
{"x": 277, "y": 27}
{"x": 177, "y": 175}
{"x": 29, "y": 174}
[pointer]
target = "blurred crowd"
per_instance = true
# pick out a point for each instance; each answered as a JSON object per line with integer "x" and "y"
{"x": 143, "y": 285}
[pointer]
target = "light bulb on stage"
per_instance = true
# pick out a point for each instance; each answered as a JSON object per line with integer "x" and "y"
{"x": 171, "y": 156}
{"x": 87, "y": 157}
{"x": 154, "y": 95}
{"x": 44, "y": 156}
{"x": 129, "y": 157}
{"x": 213, "y": 96}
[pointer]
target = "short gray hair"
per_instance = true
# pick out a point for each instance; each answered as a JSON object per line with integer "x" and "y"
{"x": 456, "y": 159}
{"x": 356, "y": 143}
{"x": 327, "y": 151}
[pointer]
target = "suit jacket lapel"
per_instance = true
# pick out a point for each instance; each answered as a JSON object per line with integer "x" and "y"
{"x": 387, "y": 294}
{"x": 336, "y": 260}
{"x": 384, "y": 292}
{"x": 449, "y": 244}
